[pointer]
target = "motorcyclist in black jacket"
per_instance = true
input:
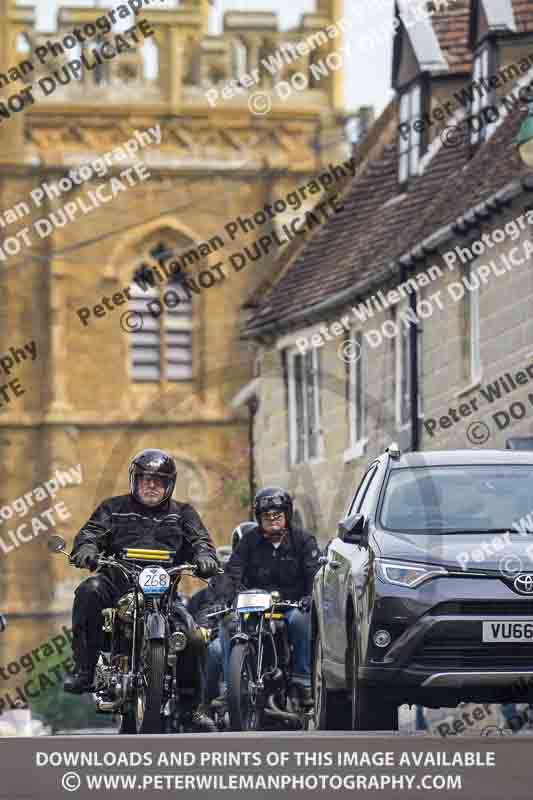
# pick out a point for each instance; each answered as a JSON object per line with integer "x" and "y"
{"x": 147, "y": 517}
{"x": 277, "y": 555}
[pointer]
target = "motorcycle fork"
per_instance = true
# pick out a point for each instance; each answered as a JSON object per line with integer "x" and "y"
{"x": 259, "y": 685}
{"x": 134, "y": 635}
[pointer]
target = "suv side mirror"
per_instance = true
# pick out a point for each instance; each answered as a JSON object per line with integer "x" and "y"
{"x": 352, "y": 529}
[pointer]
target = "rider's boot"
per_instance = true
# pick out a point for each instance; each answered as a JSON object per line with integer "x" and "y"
{"x": 301, "y": 696}
{"x": 202, "y": 722}
{"x": 79, "y": 682}
{"x": 306, "y": 696}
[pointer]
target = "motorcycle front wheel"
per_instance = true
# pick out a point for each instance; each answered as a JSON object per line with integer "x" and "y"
{"x": 144, "y": 713}
{"x": 243, "y": 712}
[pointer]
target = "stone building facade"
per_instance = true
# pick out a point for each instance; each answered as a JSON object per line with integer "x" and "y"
{"x": 407, "y": 317}
{"x": 110, "y": 377}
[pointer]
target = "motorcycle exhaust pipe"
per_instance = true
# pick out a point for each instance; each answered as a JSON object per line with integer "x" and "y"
{"x": 274, "y": 711}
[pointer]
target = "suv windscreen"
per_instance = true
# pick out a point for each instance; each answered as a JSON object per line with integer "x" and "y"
{"x": 447, "y": 499}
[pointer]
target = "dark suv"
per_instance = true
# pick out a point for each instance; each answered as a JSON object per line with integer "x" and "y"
{"x": 426, "y": 594}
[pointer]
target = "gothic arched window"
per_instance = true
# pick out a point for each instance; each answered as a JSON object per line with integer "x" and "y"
{"x": 161, "y": 321}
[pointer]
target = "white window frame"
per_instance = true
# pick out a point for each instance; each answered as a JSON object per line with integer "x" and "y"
{"x": 404, "y": 337}
{"x": 410, "y": 150}
{"x": 480, "y": 102}
{"x": 357, "y": 397}
{"x": 474, "y": 332}
{"x": 314, "y": 355}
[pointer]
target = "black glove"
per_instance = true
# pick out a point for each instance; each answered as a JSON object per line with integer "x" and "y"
{"x": 85, "y": 557}
{"x": 305, "y": 603}
{"x": 207, "y": 566}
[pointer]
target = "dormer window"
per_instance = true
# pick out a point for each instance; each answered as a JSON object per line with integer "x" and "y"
{"x": 481, "y": 96}
{"x": 410, "y": 142}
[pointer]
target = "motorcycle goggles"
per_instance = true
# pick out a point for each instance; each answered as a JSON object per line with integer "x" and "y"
{"x": 272, "y": 516}
{"x": 270, "y": 503}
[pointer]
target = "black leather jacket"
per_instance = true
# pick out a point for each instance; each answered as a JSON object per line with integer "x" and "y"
{"x": 123, "y": 522}
{"x": 256, "y": 564}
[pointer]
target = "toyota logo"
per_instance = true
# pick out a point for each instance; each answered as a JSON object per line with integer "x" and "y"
{"x": 524, "y": 584}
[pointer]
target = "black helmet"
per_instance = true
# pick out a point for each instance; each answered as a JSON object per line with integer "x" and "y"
{"x": 239, "y": 532}
{"x": 273, "y": 499}
{"x": 156, "y": 463}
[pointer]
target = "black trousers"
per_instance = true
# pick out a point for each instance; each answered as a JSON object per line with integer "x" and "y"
{"x": 102, "y": 591}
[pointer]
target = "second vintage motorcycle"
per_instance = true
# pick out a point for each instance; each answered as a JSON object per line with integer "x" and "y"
{"x": 259, "y": 666}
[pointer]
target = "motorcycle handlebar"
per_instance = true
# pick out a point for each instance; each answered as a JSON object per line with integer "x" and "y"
{"x": 102, "y": 561}
{"x": 286, "y": 604}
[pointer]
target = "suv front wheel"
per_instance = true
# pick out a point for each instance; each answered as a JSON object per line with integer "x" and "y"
{"x": 332, "y": 711}
{"x": 370, "y": 710}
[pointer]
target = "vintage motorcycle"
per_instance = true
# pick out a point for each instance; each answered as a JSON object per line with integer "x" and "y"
{"x": 139, "y": 675}
{"x": 260, "y": 659}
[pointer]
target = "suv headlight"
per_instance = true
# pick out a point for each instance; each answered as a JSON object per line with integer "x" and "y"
{"x": 405, "y": 573}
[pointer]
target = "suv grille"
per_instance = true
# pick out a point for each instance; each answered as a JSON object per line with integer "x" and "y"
{"x": 456, "y": 654}
{"x": 483, "y": 608}
{"x": 457, "y": 645}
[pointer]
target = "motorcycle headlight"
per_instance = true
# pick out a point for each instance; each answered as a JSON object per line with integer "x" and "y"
{"x": 126, "y": 607}
{"x": 405, "y": 573}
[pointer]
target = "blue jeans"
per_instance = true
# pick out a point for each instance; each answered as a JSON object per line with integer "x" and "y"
{"x": 214, "y": 668}
{"x": 299, "y": 630}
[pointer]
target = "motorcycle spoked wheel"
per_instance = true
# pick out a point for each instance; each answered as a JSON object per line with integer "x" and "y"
{"x": 144, "y": 713}
{"x": 243, "y": 712}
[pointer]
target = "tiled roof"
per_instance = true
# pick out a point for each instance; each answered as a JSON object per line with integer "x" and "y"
{"x": 523, "y": 12}
{"x": 361, "y": 245}
{"x": 451, "y": 28}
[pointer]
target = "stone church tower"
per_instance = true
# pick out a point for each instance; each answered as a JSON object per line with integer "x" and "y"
{"x": 99, "y": 390}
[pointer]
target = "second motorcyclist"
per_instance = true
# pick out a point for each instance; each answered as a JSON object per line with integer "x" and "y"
{"x": 278, "y": 556}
